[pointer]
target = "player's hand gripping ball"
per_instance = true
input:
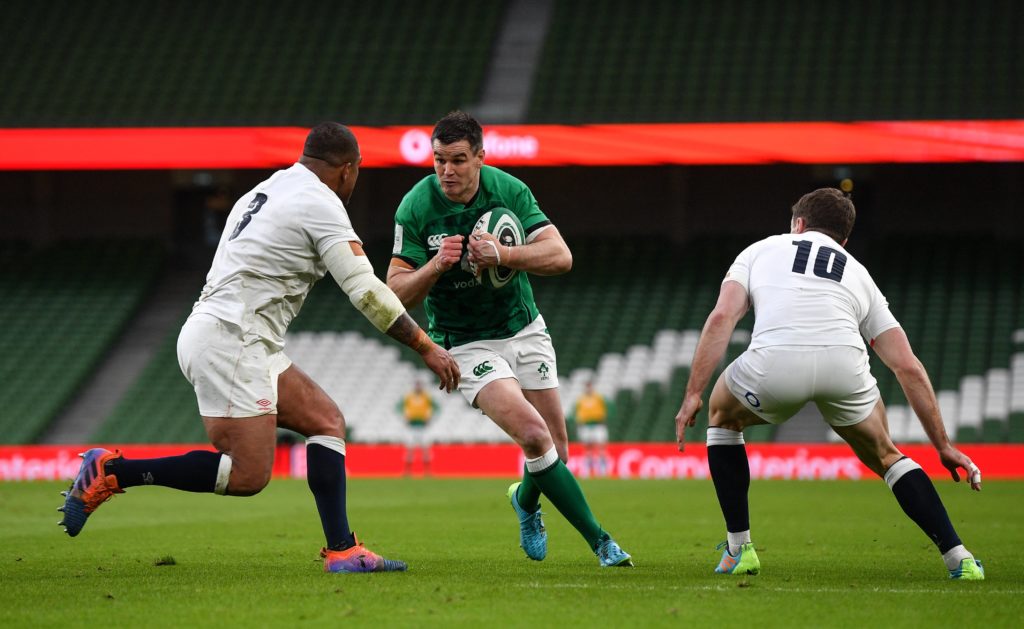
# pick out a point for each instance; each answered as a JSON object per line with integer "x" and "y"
{"x": 506, "y": 228}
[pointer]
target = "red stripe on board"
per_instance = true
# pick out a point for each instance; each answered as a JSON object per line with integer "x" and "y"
{"x": 627, "y": 460}
{"x": 528, "y": 145}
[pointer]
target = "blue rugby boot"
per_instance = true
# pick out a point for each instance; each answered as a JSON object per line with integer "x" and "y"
{"x": 533, "y": 537}
{"x": 611, "y": 555}
{"x": 743, "y": 562}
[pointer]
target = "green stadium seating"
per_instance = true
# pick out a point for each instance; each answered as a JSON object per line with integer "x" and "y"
{"x": 260, "y": 62}
{"x": 160, "y": 407}
{"x": 959, "y": 300}
{"x": 604, "y": 310}
{"x": 62, "y": 308}
{"x": 121, "y": 63}
{"x": 708, "y": 61}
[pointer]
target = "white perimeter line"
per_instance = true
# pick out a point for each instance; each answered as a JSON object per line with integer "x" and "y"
{"x": 755, "y": 587}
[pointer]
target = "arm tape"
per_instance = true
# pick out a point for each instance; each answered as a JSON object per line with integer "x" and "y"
{"x": 367, "y": 293}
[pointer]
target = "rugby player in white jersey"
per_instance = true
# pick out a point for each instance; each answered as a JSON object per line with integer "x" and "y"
{"x": 813, "y": 302}
{"x": 280, "y": 238}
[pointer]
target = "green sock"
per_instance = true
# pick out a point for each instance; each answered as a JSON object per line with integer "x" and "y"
{"x": 561, "y": 488}
{"x": 529, "y": 493}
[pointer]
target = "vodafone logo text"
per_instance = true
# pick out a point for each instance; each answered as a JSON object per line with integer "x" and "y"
{"x": 415, "y": 146}
{"x": 500, "y": 146}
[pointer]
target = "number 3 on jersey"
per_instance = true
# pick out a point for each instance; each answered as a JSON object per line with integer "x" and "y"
{"x": 254, "y": 207}
{"x": 827, "y": 256}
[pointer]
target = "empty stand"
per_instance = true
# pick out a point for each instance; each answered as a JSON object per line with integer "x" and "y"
{"x": 628, "y": 318}
{"x": 393, "y": 62}
{"x": 62, "y": 307}
{"x": 707, "y": 61}
{"x": 256, "y": 63}
{"x": 959, "y": 300}
{"x": 160, "y": 407}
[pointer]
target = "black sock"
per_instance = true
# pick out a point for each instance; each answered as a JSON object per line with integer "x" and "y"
{"x": 325, "y": 473}
{"x": 730, "y": 471}
{"x": 194, "y": 471}
{"x": 916, "y": 494}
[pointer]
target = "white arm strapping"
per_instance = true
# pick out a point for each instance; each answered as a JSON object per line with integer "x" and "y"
{"x": 367, "y": 293}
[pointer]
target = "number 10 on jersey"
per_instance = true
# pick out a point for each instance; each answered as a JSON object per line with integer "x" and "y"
{"x": 827, "y": 257}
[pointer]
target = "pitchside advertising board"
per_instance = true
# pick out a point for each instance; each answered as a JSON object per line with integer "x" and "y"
{"x": 528, "y": 145}
{"x": 625, "y": 460}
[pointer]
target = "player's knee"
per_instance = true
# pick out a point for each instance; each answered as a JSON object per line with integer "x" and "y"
{"x": 561, "y": 442}
{"x": 879, "y": 462}
{"x": 329, "y": 422}
{"x": 535, "y": 437}
{"x": 873, "y": 459}
{"x": 720, "y": 419}
{"x": 890, "y": 458}
{"x": 248, "y": 482}
{"x": 335, "y": 422}
{"x": 248, "y": 486}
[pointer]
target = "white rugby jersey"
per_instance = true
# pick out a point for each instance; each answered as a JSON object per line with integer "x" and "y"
{"x": 807, "y": 290}
{"x": 270, "y": 253}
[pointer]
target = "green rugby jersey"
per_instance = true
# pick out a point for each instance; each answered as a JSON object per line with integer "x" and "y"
{"x": 459, "y": 309}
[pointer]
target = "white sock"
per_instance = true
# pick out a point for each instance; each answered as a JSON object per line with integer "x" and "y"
{"x": 220, "y": 486}
{"x": 955, "y": 555}
{"x": 542, "y": 462}
{"x": 724, "y": 437}
{"x": 331, "y": 443}
{"x": 739, "y": 539}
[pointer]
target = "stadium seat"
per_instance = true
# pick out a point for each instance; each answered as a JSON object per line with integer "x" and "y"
{"x": 705, "y": 61}
{"x": 62, "y": 308}
{"x": 639, "y": 357}
{"x": 1016, "y": 410}
{"x": 210, "y": 64}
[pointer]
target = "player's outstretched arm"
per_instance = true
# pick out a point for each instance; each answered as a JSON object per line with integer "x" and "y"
{"x": 412, "y": 285}
{"x": 405, "y": 331}
{"x": 548, "y": 254}
{"x": 893, "y": 347}
{"x": 353, "y": 272}
{"x": 714, "y": 339}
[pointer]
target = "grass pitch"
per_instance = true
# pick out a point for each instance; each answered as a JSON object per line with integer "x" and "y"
{"x": 832, "y": 554}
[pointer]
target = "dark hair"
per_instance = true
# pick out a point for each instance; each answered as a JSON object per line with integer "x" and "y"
{"x": 458, "y": 125}
{"x": 331, "y": 142}
{"x": 827, "y": 210}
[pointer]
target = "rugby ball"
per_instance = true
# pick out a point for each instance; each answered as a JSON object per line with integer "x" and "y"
{"x": 505, "y": 226}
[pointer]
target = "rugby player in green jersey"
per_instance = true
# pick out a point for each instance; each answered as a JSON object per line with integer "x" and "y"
{"x": 497, "y": 335}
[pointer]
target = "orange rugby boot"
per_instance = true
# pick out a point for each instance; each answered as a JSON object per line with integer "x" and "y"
{"x": 359, "y": 558}
{"x": 91, "y": 488}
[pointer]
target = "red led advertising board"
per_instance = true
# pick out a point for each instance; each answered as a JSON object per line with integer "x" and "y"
{"x": 528, "y": 145}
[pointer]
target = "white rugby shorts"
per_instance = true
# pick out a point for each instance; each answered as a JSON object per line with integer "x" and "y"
{"x": 529, "y": 357}
{"x": 416, "y": 436}
{"x": 596, "y": 433}
{"x": 233, "y": 374}
{"x": 776, "y": 382}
